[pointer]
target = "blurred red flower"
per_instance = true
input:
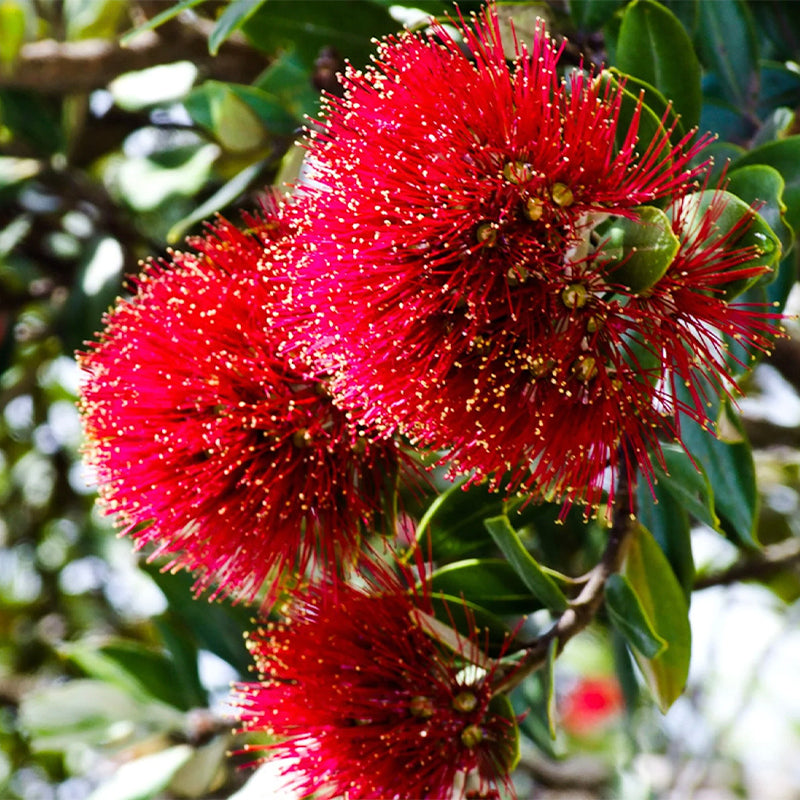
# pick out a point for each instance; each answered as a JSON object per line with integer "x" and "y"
{"x": 590, "y": 705}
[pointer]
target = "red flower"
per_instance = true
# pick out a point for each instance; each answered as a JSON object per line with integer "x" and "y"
{"x": 205, "y": 443}
{"x": 366, "y": 704}
{"x": 455, "y": 273}
{"x": 591, "y": 704}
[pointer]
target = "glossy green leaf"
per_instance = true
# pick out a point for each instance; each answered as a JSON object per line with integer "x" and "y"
{"x": 289, "y": 79}
{"x": 728, "y": 45}
{"x": 12, "y": 32}
{"x": 468, "y": 618}
{"x": 530, "y": 700}
{"x": 780, "y": 87}
{"x": 661, "y": 597}
{"x": 455, "y": 521}
{"x": 488, "y": 582}
{"x": 651, "y": 127}
{"x": 655, "y": 101}
{"x": 649, "y": 38}
{"x": 525, "y": 565}
{"x": 762, "y": 186}
{"x": 231, "y": 19}
{"x": 240, "y": 117}
{"x": 224, "y": 196}
{"x": 145, "y": 673}
{"x": 637, "y": 252}
{"x": 506, "y": 750}
{"x": 669, "y": 522}
{"x": 731, "y": 222}
{"x": 629, "y": 617}
{"x": 784, "y": 156}
{"x": 731, "y": 472}
{"x": 215, "y": 626}
{"x": 688, "y": 484}
{"x": 144, "y": 778}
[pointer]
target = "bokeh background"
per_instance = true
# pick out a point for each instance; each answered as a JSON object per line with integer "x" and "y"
{"x": 124, "y": 124}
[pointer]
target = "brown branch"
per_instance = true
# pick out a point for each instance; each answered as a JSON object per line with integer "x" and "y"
{"x": 53, "y": 67}
{"x": 770, "y": 561}
{"x": 583, "y": 609}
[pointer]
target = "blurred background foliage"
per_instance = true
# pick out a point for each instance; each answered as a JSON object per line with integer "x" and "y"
{"x": 124, "y": 124}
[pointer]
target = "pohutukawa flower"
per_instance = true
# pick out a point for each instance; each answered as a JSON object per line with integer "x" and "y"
{"x": 205, "y": 443}
{"x": 365, "y": 702}
{"x": 461, "y": 272}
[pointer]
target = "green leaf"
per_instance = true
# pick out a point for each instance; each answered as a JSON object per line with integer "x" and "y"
{"x": 159, "y": 19}
{"x": 488, "y": 582}
{"x": 763, "y": 186}
{"x": 240, "y": 117}
{"x": 651, "y": 127}
{"x": 147, "y": 183}
{"x": 215, "y": 626}
{"x": 12, "y": 32}
{"x": 289, "y": 80}
{"x": 455, "y": 521}
{"x": 506, "y": 750}
{"x": 530, "y": 700}
{"x": 731, "y": 472}
{"x": 468, "y": 618}
{"x": 145, "y": 777}
{"x": 780, "y": 88}
{"x": 629, "y": 617}
{"x": 308, "y": 26}
{"x": 730, "y": 224}
{"x": 144, "y": 673}
{"x": 231, "y": 19}
{"x": 92, "y": 19}
{"x": 84, "y": 712}
{"x": 668, "y": 521}
{"x": 589, "y": 15}
{"x": 728, "y": 45}
{"x": 224, "y": 196}
{"x": 524, "y": 564}
{"x": 784, "y": 156}
{"x": 637, "y": 252}
{"x": 649, "y": 38}
{"x": 654, "y": 100}
{"x": 688, "y": 484}
{"x": 662, "y": 600}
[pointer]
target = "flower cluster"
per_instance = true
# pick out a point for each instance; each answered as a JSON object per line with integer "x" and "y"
{"x": 457, "y": 268}
{"x": 206, "y": 444}
{"x": 485, "y": 260}
{"x": 366, "y": 703}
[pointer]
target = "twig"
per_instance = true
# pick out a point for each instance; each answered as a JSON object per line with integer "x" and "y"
{"x": 583, "y": 609}
{"x": 768, "y": 562}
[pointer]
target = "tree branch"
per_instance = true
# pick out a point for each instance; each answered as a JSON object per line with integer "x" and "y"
{"x": 765, "y": 564}
{"x": 53, "y": 67}
{"x": 583, "y": 609}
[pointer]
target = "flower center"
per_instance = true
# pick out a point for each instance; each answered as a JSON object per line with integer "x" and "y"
{"x": 465, "y": 702}
{"x": 471, "y": 736}
{"x": 421, "y": 707}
